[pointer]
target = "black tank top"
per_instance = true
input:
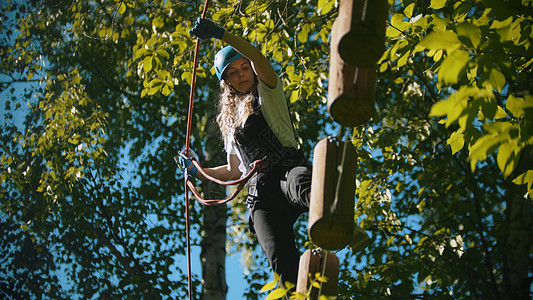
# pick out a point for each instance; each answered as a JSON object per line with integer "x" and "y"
{"x": 256, "y": 140}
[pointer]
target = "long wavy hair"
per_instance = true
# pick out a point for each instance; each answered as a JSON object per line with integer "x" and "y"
{"x": 234, "y": 108}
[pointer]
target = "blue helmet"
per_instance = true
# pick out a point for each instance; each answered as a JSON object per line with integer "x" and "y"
{"x": 223, "y": 58}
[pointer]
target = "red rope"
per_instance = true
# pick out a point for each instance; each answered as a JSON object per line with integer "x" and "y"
{"x": 214, "y": 201}
{"x": 193, "y": 86}
{"x": 187, "y": 227}
{"x": 187, "y": 143}
{"x": 256, "y": 165}
{"x": 241, "y": 182}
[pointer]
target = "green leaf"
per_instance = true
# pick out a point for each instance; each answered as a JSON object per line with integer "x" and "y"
{"x": 105, "y": 33}
{"x": 489, "y": 105}
{"x": 453, "y": 107}
{"x": 270, "y": 285}
{"x": 445, "y": 40}
{"x": 295, "y": 95}
{"x": 147, "y": 64}
{"x": 140, "y": 52}
{"x": 456, "y": 141}
{"x": 437, "y": 4}
{"x": 408, "y": 11}
{"x": 121, "y": 8}
{"x": 303, "y": 35}
{"x": 289, "y": 285}
{"x": 324, "y": 6}
{"x": 469, "y": 32}
{"x": 500, "y": 113}
{"x": 515, "y": 105}
{"x": 276, "y": 294}
{"x": 524, "y": 178}
{"x": 398, "y": 26}
{"x": 166, "y": 90}
{"x": 481, "y": 148}
{"x": 187, "y": 75}
{"x": 496, "y": 79}
{"x": 507, "y": 158}
{"x": 452, "y": 66}
{"x": 384, "y": 66}
{"x": 162, "y": 52}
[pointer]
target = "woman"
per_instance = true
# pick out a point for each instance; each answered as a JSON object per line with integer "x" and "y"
{"x": 255, "y": 124}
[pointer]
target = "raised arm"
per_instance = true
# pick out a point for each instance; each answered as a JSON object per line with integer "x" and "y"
{"x": 205, "y": 28}
{"x": 260, "y": 63}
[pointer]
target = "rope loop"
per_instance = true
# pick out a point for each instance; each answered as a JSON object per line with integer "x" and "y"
{"x": 240, "y": 183}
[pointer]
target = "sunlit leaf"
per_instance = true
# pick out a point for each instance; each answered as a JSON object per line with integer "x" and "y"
{"x": 456, "y": 141}
{"x": 515, "y": 105}
{"x": 295, "y": 95}
{"x": 525, "y": 178}
{"x": 276, "y": 294}
{"x": 496, "y": 79}
{"x": 303, "y": 35}
{"x": 408, "y": 11}
{"x": 437, "y": 4}
{"x": 147, "y": 64}
{"x": 452, "y": 66}
{"x": 445, "y": 40}
{"x": 122, "y": 8}
{"x": 470, "y": 32}
{"x": 270, "y": 285}
{"x": 507, "y": 158}
{"x": 324, "y": 6}
{"x": 162, "y": 52}
{"x": 481, "y": 148}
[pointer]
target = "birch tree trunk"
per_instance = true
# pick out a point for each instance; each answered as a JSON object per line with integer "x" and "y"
{"x": 213, "y": 255}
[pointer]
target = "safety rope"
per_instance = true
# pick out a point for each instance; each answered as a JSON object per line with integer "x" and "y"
{"x": 187, "y": 143}
{"x": 240, "y": 183}
{"x": 325, "y": 256}
{"x": 255, "y": 166}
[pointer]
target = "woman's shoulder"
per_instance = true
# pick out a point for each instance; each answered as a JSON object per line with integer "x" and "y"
{"x": 265, "y": 89}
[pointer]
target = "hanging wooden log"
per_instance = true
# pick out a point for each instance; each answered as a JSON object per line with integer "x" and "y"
{"x": 331, "y": 211}
{"x": 362, "y": 31}
{"x": 311, "y": 263}
{"x": 359, "y": 240}
{"x": 351, "y": 90}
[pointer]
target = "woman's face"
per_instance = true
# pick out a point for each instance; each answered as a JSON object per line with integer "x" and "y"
{"x": 240, "y": 75}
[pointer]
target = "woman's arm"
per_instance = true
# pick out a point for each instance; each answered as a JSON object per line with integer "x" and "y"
{"x": 260, "y": 63}
{"x": 205, "y": 28}
{"x": 230, "y": 171}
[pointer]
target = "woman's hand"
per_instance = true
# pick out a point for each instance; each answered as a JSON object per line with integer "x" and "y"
{"x": 206, "y": 29}
{"x": 185, "y": 164}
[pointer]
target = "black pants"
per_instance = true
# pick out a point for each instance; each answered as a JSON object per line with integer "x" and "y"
{"x": 280, "y": 196}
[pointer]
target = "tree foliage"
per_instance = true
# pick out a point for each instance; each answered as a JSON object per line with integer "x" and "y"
{"x": 94, "y": 108}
